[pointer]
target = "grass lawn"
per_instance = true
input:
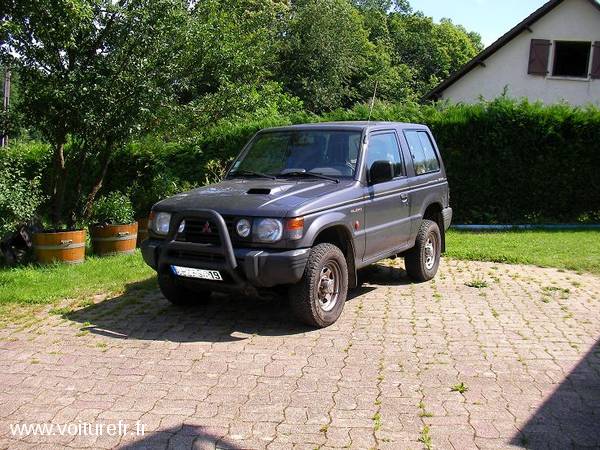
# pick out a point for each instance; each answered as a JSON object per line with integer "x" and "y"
{"x": 24, "y": 290}
{"x": 574, "y": 250}
{"x": 45, "y": 284}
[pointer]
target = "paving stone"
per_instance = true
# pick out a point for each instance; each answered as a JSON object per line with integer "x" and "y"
{"x": 240, "y": 373}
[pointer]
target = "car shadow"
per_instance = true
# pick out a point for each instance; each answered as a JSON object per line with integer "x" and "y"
{"x": 186, "y": 436}
{"x": 383, "y": 275}
{"x": 141, "y": 312}
{"x": 570, "y": 417}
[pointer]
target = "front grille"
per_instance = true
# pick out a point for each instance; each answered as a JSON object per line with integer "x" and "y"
{"x": 200, "y": 231}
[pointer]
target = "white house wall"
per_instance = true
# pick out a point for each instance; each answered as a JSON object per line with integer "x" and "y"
{"x": 573, "y": 20}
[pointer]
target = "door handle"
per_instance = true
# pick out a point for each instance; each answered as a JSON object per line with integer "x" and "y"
{"x": 404, "y": 198}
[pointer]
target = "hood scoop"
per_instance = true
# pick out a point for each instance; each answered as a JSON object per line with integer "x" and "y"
{"x": 259, "y": 191}
{"x": 274, "y": 190}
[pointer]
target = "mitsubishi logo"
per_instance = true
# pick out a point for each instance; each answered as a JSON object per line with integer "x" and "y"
{"x": 206, "y": 229}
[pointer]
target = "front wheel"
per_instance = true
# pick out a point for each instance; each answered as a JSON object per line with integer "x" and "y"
{"x": 318, "y": 299}
{"x": 423, "y": 260}
{"x": 180, "y": 295}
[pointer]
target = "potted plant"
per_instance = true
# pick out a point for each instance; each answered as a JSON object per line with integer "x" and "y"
{"x": 114, "y": 229}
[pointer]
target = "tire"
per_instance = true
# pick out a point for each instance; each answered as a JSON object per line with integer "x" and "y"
{"x": 318, "y": 299}
{"x": 180, "y": 295}
{"x": 423, "y": 261}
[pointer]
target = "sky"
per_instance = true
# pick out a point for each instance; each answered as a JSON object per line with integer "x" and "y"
{"x": 490, "y": 18}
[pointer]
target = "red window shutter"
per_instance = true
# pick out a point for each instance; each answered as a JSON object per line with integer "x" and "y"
{"x": 595, "y": 72}
{"x": 539, "y": 56}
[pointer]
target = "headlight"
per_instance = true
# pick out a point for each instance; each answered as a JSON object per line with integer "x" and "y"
{"x": 160, "y": 223}
{"x": 243, "y": 228}
{"x": 268, "y": 230}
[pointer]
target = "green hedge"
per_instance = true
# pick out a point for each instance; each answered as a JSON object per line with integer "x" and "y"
{"x": 507, "y": 161}
{"x": 520, "y": 162}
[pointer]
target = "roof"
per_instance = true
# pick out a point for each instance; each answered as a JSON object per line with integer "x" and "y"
{"x": 357, "y": 125}
{"x": 489, "y": 51}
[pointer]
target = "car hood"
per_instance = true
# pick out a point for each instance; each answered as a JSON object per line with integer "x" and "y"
{"x": 253, "y": 197}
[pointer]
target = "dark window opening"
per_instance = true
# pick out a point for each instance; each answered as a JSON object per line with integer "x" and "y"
{"x": 384, "y": 147}
{"x": 572, "y": 59}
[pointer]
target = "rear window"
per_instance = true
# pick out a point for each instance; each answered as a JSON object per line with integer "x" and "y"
{"x": 422, "y": 151}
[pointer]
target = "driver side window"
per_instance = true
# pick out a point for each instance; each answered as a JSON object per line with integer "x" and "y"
{"x": 384, "y": 147}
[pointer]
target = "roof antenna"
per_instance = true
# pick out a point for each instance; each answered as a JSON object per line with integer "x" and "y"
{"x": 373, "y": 101}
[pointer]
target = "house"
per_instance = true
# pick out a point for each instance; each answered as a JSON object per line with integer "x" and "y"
{"x": 552, "y": 56}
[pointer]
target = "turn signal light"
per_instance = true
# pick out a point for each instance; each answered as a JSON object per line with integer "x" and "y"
{"x": 295, "y": 228}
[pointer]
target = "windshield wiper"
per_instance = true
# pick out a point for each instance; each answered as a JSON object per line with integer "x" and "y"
{"x": 304, "y": 173}
{"x": 251, "y": 173}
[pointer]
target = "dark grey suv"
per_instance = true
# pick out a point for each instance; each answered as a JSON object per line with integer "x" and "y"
{"x": 304, "y": 207}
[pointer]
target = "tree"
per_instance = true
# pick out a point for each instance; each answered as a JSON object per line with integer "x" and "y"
{"x": 323, "y": 47}
{"x": 401, "y": 6}
{"x": 394, "y": 81}
{"x": 229, "y": 63}
{"x": 433, "y": 51}
{"x": 95, "y": 70}
{"x": 8, "y": 117}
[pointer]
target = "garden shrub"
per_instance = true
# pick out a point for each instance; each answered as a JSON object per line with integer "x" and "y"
{"x": 508, "y": 161}
{"x": 20, "y": 189}
{"x": 521, "y": 162}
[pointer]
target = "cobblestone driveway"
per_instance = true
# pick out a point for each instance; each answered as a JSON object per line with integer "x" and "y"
{"x": 487, "y": 356}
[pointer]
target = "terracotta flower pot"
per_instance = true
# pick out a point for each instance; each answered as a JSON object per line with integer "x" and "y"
{"x": 63, "y": 246}
{"x": 114, "y": 239}
{"x": 142, "y": 231}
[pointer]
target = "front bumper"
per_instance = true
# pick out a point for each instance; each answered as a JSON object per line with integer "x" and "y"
{"x": 243, "y": 269}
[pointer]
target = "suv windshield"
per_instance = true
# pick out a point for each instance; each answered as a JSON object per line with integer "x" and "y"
{"x": 288, "y": 153}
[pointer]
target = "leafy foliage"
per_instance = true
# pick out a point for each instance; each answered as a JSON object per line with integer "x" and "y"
{"x": 113, "y": 209}
{"x": 111, "y": 69}
{"x": 20, "y": 196}
{"x": 432, "y": 51}
{"x": 323, "y": 48}
{"x": 512, "y": 162}
{"x": 158, "y": 170}
{"x": 98, "y": 73}
{"x": 505, "y": 146}
{"x": 227, "y": 65}
{"x": 165, "y": 92}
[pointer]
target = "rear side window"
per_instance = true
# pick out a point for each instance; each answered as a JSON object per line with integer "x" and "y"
{"x": 422, "y": 151}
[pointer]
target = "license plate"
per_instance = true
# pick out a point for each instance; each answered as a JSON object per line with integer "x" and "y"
{"x": 188, "y": 272}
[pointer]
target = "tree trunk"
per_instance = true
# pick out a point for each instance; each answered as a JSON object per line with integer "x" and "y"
{"x": 78, "y": 185}
{"x": 59, "y": 182}
{"x": 87, "y": 210}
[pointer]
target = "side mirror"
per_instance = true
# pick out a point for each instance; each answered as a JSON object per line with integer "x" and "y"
{"x": 381, "y": 171}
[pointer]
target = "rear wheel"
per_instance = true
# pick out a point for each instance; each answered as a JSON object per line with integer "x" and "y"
{"x": 423, "y": 260}
{"x": 318, "y": 299}
{"x": 178, "y": 294}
